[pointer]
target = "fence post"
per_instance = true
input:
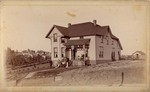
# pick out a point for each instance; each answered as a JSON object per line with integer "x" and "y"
{"x": 122, "y": 78}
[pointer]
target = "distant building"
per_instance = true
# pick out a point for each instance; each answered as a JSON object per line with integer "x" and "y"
{"x": 84, "y": 40}
{"x": 138, "y": 55}
{"x": 41, "y": 52}
{"x": 28, "y": 53}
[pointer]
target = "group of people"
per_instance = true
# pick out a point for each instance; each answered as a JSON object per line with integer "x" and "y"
{"x": 85, "y": 59}
{"x": 65, "y": 62}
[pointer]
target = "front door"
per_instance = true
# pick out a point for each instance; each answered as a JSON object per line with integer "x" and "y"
{"x": 137, "y": 56}
{"x": 113, "y": 56}
{"x": 73, "y": 52}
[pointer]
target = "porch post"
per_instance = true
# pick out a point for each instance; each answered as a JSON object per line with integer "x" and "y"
{"x": 84, "y": 51}
{"x": 72, "y": 52}
{"x": 65, "y": 51}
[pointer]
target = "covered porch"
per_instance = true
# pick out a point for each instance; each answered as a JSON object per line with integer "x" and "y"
{"x": 77, "y": 50}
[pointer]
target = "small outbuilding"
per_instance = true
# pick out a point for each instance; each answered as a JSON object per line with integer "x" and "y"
{"x": 138, "y": 55}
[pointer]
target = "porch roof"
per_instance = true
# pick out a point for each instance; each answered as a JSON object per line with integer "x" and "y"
{"x": 77, "y": 42}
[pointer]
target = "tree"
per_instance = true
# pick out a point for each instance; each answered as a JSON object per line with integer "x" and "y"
{"x": 10, "y": 57}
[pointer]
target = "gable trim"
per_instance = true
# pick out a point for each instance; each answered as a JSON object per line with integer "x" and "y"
{"x": 117, "y": 39}
{"x": 50, "y": 31}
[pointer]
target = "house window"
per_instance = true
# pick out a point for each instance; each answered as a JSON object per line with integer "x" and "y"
{"x": 55, "y": 37}
{"x": 119, "y": 55}
{"x": 102, "y": 39}
{"x": 62, "y": 51}
{"x": 101, "y": 52}
{"x": 62, "y": 40}
{"x": 113, "y": 55}
{"x": 107, "y": 38}
{"x": 112, "y": 42}
{"x": 55, "y": 52}
{"x": 113, "y": 48}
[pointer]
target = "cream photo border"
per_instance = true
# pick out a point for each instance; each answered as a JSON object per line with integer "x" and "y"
{"x": 3, "y": 86}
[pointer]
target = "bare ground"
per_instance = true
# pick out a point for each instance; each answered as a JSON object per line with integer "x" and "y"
{"x": 102, "y": 74}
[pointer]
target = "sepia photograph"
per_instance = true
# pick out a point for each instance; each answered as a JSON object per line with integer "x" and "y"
{"x": 88, "y": 45}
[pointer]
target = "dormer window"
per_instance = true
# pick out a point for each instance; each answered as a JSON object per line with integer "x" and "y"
{"x": 81, "y": 37}
{"x": 55, "y": 37}
{"x": 62, "y": 40}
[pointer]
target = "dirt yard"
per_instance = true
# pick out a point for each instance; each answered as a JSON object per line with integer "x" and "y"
{"x": 113, "y": 73}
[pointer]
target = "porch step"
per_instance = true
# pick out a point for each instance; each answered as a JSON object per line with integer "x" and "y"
{"x": 78, "y": 63}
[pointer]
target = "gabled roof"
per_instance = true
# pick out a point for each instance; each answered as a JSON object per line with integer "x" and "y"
{"x": 142, "y": 53}
{"x": 84, "y": 29}
{"x": 63, "y": 30}
{"x": 114, "y": 37}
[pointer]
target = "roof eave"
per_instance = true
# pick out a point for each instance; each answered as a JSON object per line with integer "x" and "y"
{"x": 120, "y": 45}
{"x": 49, "y": 32}
{"x": 115, "y": 38}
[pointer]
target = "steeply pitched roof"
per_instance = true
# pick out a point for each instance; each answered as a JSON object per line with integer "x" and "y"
{"x": 142, "y": 53}
{"x": 84, "y": 29}
{"x": 114, "y": 37}
{"x": 77, "y": 42}
{"x": 63, "y": 30}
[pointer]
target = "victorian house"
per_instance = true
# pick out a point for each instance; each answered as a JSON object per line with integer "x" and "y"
{"x": 84, "y": 40}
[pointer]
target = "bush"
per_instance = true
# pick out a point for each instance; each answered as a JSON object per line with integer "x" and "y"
{"x": 16, "y": 59}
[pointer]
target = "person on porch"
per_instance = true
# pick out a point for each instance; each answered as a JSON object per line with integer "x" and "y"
{"x": 82, "y": 57}
{"x": 87, "y": 61}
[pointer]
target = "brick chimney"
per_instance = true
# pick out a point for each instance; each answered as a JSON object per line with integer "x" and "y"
{"x": 69, "y": 24}
{"x": 94, "y": 22}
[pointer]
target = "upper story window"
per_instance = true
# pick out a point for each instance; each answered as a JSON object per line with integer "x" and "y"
{"x": 101, "y": 52}
{"x": 107, "y": 39}
{"x": 55, "y": 37}
{"x": 55, "y": 52}
{"x": 62, "y": 40}
{"x": 112, "y": 42}
{"x": 102, "y": 39}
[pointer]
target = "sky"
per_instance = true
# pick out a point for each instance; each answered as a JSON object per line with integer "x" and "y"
{"x": 25, "y": 26}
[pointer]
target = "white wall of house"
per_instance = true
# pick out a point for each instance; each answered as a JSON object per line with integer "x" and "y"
{"x": 92, "y": 49}
{"x": 117, "y": 49}
{"x": 56, "y": 44}
{"x": 107, "y": 48}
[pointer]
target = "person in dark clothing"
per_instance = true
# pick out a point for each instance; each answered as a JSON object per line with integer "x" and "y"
{"x": 87, "y": 61}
